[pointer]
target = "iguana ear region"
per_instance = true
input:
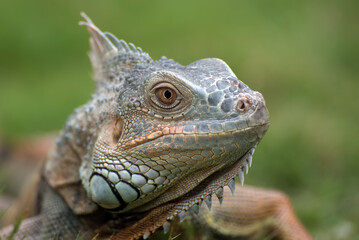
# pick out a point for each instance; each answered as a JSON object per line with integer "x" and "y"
{"x": 108, "y": 52}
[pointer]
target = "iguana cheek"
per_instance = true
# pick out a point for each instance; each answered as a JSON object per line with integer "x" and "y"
{"x": 112, "y": 196}
{"x": 102, "y": 193}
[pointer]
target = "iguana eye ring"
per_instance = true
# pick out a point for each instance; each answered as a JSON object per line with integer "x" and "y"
{"x": 166, "y": 95}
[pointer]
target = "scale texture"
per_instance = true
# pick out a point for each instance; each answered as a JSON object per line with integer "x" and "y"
{"x": 155, "y": 142}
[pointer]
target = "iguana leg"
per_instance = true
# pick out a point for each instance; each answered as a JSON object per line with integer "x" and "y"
{"x": 253, "y": 213}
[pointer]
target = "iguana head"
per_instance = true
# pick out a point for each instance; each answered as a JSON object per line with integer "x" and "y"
{"x": 156, "y": 139}
{"x": 166, "y": 132}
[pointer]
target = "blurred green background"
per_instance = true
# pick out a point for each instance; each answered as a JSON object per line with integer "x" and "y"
{"x": 302, "y": 55}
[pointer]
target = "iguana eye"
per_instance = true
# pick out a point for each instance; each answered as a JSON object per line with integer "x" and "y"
{"x": 166, "y": 95}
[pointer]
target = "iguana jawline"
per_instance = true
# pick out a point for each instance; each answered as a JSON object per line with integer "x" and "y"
{"x": 192, "y": 201}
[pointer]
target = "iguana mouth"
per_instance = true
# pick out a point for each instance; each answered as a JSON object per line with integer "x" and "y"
{"x": 179, "y": 131}
{"x": 120, "y": 182}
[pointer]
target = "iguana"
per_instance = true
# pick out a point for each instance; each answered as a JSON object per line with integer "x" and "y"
{"x": 156, "y": 140}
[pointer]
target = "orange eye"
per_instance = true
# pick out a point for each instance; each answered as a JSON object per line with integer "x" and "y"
{"x": 166, "y": 95}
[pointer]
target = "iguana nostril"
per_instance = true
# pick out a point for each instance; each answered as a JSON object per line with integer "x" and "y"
{"x": 244, "y": 103}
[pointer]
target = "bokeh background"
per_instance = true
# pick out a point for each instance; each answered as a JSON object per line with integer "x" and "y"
{"x": 302, "y": 55}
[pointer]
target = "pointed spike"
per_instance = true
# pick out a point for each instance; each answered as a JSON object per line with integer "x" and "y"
{"x": 112, "y": 38}
{"x": 249, "y": 159}
{"x": 232, "y": 186}
{"x": 124, "y": 46}
{"x": 182, "y": 215}
{"x": 241, "y": 176}
{"x": 200, "y": 203}
{"x": 102, "y": 42}
{"x": 166, "y": 227}
{"x": 139, "y": 49}
{"x": 195, "y": 208}
{"x": 219, "y": 194}
{"x": 208, "y": 201}
{"x": 246, "y": 167}
{"x": 146, "y": 235}
{"x": 252, "y": 151}
{"x": 133, "y": 47}
{"x": 87, "y": 19}
{"x": 119, "y": 43}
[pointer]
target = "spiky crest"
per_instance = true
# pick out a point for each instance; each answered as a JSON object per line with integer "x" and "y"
{"x": 106, "y": 47}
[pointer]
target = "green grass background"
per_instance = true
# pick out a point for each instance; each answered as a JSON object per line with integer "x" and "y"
{"x": 302, "y": 55}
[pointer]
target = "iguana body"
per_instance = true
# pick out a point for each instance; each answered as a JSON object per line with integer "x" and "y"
{"x": 155, "y": 141}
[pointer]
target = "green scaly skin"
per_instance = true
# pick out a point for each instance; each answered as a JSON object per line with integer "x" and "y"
{"x": 155, "y": 141}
